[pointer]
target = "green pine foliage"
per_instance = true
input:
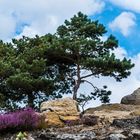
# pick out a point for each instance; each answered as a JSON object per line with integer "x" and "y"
{"x": 27, "y": 77}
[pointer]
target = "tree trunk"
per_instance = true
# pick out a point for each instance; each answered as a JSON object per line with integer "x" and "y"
{"x": 31, "y": 100}
{"x": 75, "y": 89}
{"x": 77, "y": 83}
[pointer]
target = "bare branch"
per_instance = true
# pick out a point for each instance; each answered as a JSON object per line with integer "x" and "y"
{"x": 89, "y": 83}
{"x": 87, "y": 75}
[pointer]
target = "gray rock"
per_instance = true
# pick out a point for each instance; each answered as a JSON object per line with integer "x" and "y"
{"x": 80, "y": 136}
{"x": 136, "y": 133}
{"x": 117, "y": 137}
{"x": 88, "y": 135}
{"x": 132, "y": 123}
{"x": 133, "y": 98}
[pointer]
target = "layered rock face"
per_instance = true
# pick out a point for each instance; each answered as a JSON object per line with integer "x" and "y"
{"x": 56, "y": 112}
{"x": 109, "y": 112}
{"x": 133, "y": 98}
{"x": 114, "y": 122}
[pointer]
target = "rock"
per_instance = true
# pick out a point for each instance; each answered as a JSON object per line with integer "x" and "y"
{"x": 29, "y": 137}
{"x": 64, "y": 107}
{"x": 113, "y": 107}
{"x": 110, "y": 112}
{"x": 133, "y": 98}
{"x": 88, "y": 135}
{"x": 59, "y": 111}
{"x": 117, "y": 137}
{"x": 106, "y": 117}
{"x": 80, "y": 136}
{"x": 135, "y": 113}
{"x": 90, "y": 120}
{"x": 131, "y": 123}
{"x": 52, "y": 120}
{"x": 136, "y": 133}
{"x": 106, "y": 122}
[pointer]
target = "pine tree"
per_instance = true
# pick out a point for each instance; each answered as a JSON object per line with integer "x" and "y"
{"x": 81, "y": 48}
{"x": 26, "y": 76}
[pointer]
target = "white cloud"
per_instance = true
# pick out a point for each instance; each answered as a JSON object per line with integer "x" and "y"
{"x": 120, "y": 53}
{"x": 28, "y": 31}
{"x": 123, "y": 23}
{"x": 127, "y": 86}
{"x": 128, "y": 4}
{"x": 136, "y": 69}
{"x": 7, "y": 26}
{"x": 119, "y": 89}
{"x": 41, "y": 16}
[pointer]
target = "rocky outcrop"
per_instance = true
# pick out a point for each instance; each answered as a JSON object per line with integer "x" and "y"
{"x": 130, "y": 123}
{"x": 57, "y": 112}
{"x": 108, "y": 112}
{"x": 107, "y": 122}
{"x": 122, "y": 129}
{"x": 51, "y": 119}
{"x": 133, "y": 98}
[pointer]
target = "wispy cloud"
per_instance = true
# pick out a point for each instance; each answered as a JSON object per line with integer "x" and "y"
{"x": 41, "y": 16}
{"x": 119, "y": 89}
{"x": 128, "y": 4}
{"x": 123, "y": 23}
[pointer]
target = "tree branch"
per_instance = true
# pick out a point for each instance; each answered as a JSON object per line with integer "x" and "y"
{"x": 90, "y": 84}
{"x": 87, "y": 76}
{"x": 61, "y": 56}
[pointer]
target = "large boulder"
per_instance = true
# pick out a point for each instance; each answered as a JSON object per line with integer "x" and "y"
{"x": 133, "y": 99}
{"x": 58, "y": 112}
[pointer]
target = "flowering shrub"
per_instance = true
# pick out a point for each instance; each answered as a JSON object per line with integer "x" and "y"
{"x": 25, "y": 119}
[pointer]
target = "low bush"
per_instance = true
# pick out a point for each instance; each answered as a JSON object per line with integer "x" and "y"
{"x": 73, "y": 122}
{"x": 20, "y": 120}
{"x": 89, "y": 120}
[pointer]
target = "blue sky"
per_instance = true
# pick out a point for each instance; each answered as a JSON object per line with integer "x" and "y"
{"x": 121, "y": 18}
{"x": 128, "y": 39}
